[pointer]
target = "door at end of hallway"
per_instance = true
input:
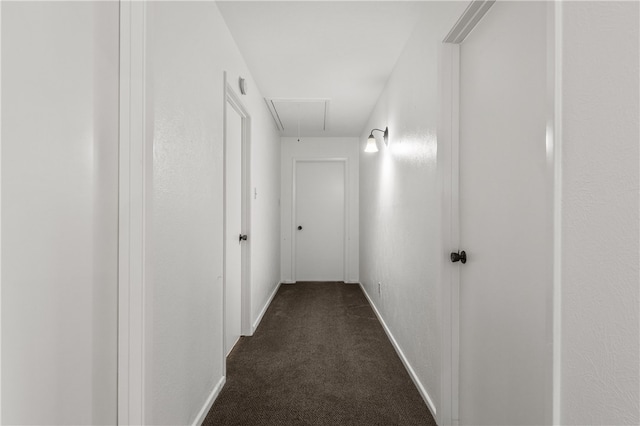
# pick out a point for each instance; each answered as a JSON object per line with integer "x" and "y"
{"x": 319, "y": 219}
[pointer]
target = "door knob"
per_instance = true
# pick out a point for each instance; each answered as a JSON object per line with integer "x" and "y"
{"x": 242, "y": 238}
{"x": 299, "y": 228}
{"x": 461, "y": 257}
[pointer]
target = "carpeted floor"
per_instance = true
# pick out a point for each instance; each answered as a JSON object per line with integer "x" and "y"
{"x": 319, "y": 357}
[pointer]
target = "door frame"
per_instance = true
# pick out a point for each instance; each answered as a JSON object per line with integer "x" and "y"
{"x": 232, "y": 99}
{"x": 448, "y": 158}
{"x": 448, "y": 176}
{"x": 345, "y": 162}
{"x": 135, "y": 171}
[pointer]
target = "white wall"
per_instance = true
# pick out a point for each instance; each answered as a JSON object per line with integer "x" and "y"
{"x": 599, "y": 265}
{"x": 399, "y": 203}
{"x": 59, "y": 212}
{"x": 265, "y": 204}
{"x": 189, "y": 47}
{"x": 319, "y": 148}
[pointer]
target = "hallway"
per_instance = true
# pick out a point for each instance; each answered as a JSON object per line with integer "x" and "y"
{"x": 319, "y": 357}
{"x": 468, "y": 169}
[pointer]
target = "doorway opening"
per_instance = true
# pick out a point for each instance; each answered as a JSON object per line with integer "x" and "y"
{"x": 236, "y": 219}
{"x": 497, "y": 179}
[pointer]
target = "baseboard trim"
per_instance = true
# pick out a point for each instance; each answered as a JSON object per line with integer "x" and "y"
{"x": 353, "y": 282}
{"x": 202, "y": 414}
{"x": 405, "y": 361}
{"x": 264, "y": 309}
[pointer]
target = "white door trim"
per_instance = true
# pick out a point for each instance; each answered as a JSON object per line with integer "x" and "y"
{"x": 448, "y": 158}
{"x": 133, "y": 169}
{"x": 232, "y": 99}
{"x": 346, "y": 213}
{"x": 554, "y": 154}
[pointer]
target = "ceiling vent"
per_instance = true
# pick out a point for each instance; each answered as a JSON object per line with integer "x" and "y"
{"x": 300, "y": 116}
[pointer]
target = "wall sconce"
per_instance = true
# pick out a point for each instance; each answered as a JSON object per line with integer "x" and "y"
{"x": 371, "y": 141}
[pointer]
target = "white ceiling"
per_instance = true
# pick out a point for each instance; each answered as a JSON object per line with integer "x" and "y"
{"x": 338, "y": 50}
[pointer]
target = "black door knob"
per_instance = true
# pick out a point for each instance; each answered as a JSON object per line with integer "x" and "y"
{"x": 243, "y": 238}
{"x": 299, "y": 228}
{"x": 459, "y": 257}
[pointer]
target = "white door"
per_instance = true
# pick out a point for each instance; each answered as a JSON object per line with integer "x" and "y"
{"x": 505, "y": 220}
{"x": 319, "y": 220}
{"x": 233, "y": 226}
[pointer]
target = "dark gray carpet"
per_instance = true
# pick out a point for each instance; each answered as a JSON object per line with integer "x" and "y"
{"x": 319, "y": 357}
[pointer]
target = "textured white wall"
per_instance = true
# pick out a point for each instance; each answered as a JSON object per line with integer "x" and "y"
{"x": 319, "y": 148}
{"x": 399, "y": 202}
{"x": 59, "y": 212}
{"x": 600, "y": 294}
{"x": 265, "y": 203}
{"x": 189, "y": 47}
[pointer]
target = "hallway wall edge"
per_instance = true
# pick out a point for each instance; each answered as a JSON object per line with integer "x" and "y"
{"x": 421, "y": 389}
{"x": 202, "y": 414}
{"x": 256, "y": 323}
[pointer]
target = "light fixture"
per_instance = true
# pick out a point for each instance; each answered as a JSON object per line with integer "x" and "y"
{"x": 371, "y": 141}
{"x": 371, "y": 145}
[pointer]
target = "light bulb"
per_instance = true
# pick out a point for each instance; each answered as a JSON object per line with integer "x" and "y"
{"x": 371, "y": 145}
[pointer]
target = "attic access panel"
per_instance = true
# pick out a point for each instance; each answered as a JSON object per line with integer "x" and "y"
{"x": 300, "y": 116}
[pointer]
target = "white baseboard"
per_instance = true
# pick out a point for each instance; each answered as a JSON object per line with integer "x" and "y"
{"x": 202, "y": 414}
{"x": 407, "y": 366}
{"x": 264, "y": 309}
{"x": 352, "y": 282}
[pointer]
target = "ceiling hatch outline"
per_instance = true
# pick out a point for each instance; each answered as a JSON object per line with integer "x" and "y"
{"x": 311, "y": 114}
